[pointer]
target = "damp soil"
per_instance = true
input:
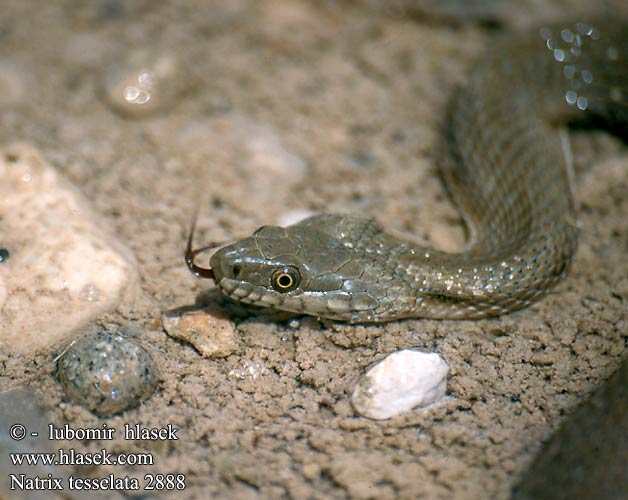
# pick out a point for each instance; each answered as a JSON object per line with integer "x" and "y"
{"x": 301, "y": 106}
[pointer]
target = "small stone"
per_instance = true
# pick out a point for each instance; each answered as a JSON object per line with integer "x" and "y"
{"x": 294, "y": 216}
{"x": 294, "y": 323}
{"x": 144, "y": 82}
{"x": 248, "y": 370}
{"x": 65, "y": 268}
{"x": 259, "y": 165}
{"x": 211, "y": 334}
{"x": 267, "y": 154}
{"x": 401, "y": 381}
{"x": 107, "y": 373}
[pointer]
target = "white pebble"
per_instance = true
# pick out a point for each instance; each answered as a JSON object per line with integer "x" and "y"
{"x": 249, "y": 160}
{"x": 401, "y": 381}
{"x": 248, "y": 370}
{"x": 294, "y": 216}
{"x": 266, "y": 153}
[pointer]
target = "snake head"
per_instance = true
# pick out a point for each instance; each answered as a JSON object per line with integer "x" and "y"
{"x": 311, "y": 267}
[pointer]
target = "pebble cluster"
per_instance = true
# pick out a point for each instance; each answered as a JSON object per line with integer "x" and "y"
{"x": 107, "y": 373}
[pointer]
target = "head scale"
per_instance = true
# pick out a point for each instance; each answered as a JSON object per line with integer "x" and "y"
{"x": 309, "y": 267}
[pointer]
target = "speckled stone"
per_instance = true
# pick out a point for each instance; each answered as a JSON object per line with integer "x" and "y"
{"x": 107, "y": 373}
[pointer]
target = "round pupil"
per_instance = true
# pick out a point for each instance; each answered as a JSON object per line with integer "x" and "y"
{"x": 285, "y": 280}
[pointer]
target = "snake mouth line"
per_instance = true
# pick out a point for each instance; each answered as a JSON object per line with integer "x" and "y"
{"x": 248, "y": 293}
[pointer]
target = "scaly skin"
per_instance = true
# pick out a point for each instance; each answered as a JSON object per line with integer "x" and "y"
{"x": 509, "y": 174}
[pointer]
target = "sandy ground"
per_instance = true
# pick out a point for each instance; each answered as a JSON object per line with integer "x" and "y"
{"x": 304, "y": 106}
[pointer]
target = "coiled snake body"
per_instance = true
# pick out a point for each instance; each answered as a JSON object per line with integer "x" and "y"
{"x": 509, "y": 175}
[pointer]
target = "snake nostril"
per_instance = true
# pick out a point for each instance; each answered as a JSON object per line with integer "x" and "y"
{"x": 236, "y": 271}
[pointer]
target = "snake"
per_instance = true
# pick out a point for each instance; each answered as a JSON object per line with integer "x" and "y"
{"x": 509, "y": 171}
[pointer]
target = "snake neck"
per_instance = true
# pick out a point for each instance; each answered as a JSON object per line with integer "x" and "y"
{"x": 477, "y": 283}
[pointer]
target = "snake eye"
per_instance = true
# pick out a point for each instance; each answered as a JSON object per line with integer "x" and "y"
{"x": 285, "y": 279}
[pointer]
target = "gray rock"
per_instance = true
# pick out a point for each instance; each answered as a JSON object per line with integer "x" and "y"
{"x": 587, "y": 458}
